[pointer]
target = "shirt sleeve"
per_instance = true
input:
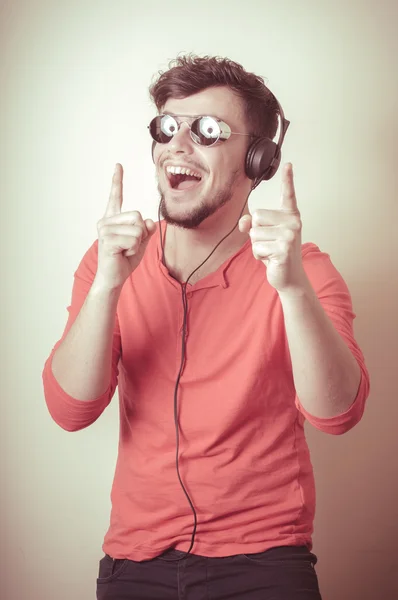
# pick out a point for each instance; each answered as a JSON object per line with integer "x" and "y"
{"x": 335, "y": 298}
{"x": 68, "y": 412}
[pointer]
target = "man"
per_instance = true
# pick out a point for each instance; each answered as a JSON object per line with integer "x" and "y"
{"x": 224, "y": 333}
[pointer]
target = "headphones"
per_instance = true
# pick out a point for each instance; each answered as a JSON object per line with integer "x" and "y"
{"x": 264, "y": 155}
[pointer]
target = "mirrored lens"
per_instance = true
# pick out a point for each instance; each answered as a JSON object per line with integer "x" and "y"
{"x": 205, "y": 131}
{"x": 163, "y": 128}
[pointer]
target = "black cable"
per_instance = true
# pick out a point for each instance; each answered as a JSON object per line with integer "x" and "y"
{"x": 185, "y": 305}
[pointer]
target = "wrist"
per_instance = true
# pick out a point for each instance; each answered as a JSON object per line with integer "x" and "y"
{"x": 301, "y": 289}
{"x": 101, "y": 287}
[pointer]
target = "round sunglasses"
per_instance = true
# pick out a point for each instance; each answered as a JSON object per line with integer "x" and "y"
{"x": 204, "y": 130}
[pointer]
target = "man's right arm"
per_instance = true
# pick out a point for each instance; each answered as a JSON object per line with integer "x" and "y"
{"x": 82, "y": 364}
{"x": 81, "y": 373}
{"x": 80, "y": 376}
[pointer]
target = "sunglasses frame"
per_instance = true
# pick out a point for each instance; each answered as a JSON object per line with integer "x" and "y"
{"x": 225, "y": 130}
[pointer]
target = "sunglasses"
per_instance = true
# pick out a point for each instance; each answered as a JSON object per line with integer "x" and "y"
{"x": 204, "y": 130}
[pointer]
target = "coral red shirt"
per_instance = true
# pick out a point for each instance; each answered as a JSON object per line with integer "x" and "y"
{"x": 243, "y": 456}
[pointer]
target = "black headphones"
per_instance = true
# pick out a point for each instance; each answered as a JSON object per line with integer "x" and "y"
{"x": 263, "y": 156}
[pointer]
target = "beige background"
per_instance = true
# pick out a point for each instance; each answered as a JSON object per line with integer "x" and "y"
{"x": 74, "y": 101}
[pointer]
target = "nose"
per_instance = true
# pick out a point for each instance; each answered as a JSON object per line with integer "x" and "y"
{"x": 182, "y": 141}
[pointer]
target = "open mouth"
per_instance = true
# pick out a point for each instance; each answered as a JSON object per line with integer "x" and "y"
{"x": 181, "y": 178}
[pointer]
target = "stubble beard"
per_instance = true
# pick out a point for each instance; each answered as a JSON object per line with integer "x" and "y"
{"x": 207, "y": 206}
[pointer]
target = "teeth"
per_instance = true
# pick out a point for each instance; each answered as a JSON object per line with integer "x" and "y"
{"x": 182, "y": 171}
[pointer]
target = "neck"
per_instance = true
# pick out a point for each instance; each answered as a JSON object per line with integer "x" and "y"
{"x": 185, "y": 249}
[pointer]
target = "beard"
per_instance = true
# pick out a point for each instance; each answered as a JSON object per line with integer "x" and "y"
{"x": 208, "y": 205}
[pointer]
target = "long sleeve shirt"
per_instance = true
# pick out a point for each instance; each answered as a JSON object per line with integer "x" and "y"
{"x": 243, "y": 456}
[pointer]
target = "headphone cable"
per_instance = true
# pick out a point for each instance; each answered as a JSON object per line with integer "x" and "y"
{"x": 185, "y": 305}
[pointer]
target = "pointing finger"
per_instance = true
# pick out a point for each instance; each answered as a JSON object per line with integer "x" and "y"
{"x": 288, "y": 197}
{"x": 115, "y": 201}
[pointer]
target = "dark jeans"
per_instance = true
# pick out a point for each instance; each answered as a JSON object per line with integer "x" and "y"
{"x": 284, "y": 573}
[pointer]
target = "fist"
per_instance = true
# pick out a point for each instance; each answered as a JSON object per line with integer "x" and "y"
{"x": 122, "y": 238}
{"x": 276, "y": 238}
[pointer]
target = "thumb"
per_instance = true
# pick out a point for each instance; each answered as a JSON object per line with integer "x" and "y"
{"x": 150, "y": 227}
{"x": 245, "y": 223}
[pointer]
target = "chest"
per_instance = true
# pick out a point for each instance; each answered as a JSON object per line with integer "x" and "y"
{"x": 196, "y": 269}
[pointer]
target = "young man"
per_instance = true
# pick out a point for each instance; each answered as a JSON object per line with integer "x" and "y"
{"x": 224, "y": 333}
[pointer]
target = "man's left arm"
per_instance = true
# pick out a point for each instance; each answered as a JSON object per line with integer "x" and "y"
{"x": 327, "y": 374}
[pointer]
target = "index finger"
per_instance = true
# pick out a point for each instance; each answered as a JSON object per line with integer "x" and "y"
{"x": 288, "y": 199}
{"x": 115, "y": 201}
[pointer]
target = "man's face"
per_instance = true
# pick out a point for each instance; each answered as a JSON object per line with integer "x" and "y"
{"x": 221, "y": 167}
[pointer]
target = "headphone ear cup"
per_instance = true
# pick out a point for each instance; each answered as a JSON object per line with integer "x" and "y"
{"x": 262, "y": 160}
{"x": 153, "y": 149}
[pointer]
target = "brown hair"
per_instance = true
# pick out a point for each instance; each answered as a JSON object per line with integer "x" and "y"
{"x": 190, "y": 74}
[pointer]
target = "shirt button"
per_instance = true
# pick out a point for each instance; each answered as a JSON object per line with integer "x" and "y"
{"x": 189, "y": 295}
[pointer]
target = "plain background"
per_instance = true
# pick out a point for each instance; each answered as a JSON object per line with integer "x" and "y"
{"x": 74, "y": 101}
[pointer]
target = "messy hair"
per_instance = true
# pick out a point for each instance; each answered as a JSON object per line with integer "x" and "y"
{"x": 190, "y": 74}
